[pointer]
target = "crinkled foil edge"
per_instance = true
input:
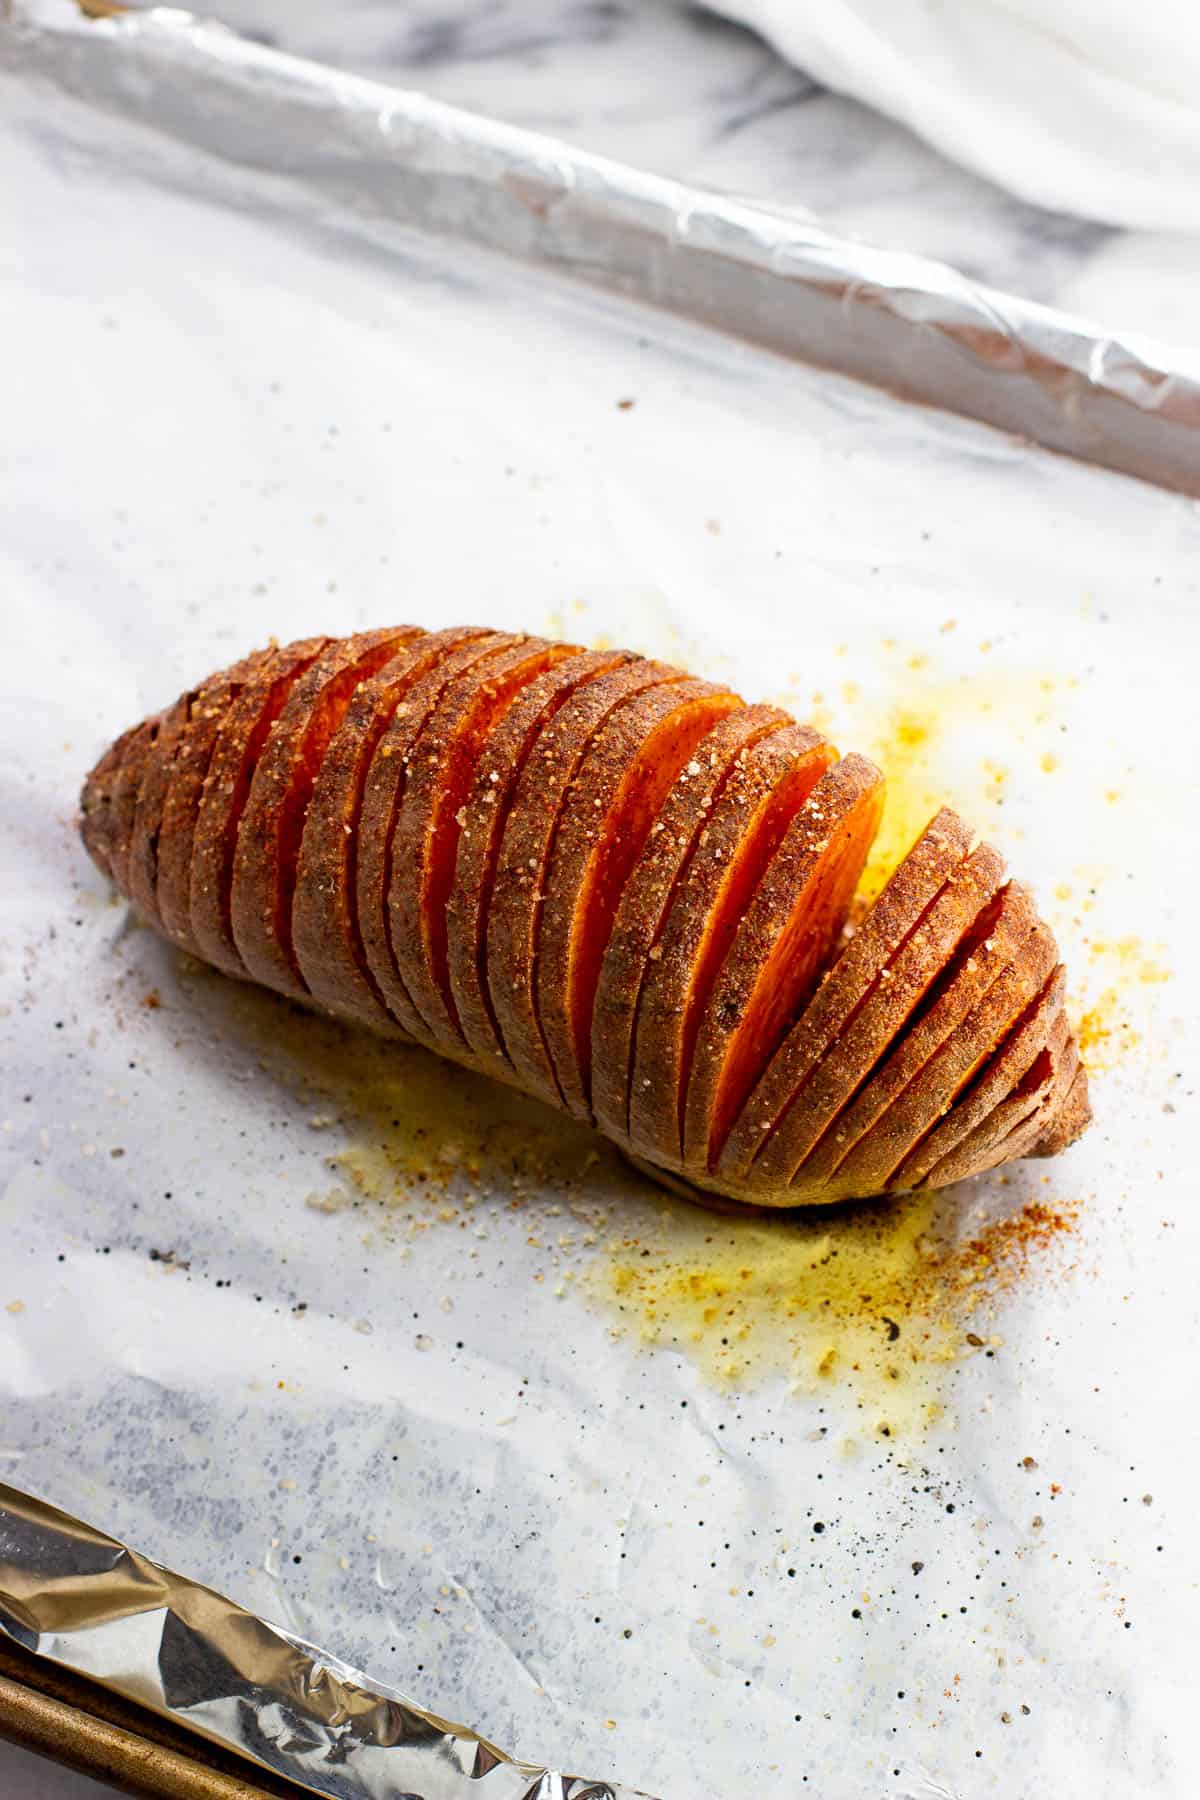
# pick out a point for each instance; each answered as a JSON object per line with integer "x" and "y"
{"x": 394, "y": 158}
{"x": 88, "y": 1602}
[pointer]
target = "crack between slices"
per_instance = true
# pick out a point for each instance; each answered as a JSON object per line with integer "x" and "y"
{"x": 974, "y": 1082}
{"x": 667, "y": 679}
{"x": 968, "y": 945}
{"x": 487, "y": 710}
{"x": 780, "y": 1141}
{"x": 220, "y": 945}
{"x": 847, "y": 984}
{"x": 788, "y": 973}
{"x": 871, "y": 992}
{"x": 547, "y": 859}
{"x": 327, "y": 936}
{"x": 636, "y": 803}
{"x": 324, "y": 720}
{"x": 481, "y": 911}
{"x": 484, "y": 651}
{"x": 730, "y": 768}
{"x": 755, "y": 847}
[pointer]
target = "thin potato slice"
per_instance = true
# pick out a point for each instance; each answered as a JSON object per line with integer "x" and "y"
{"x": 647, "y": 895}
{"x": 325, "y": 929}
{"x": 432, "y": 816}
{"x": 514, "y": 918}
{"x": 1066, "y": 1119}
{"x": 125, "y": 792}
{"x": 937, "y": 1051}
{"x": 272, "y": 825}
{"x": 241, "y": 738}
{"x": 883, "y": 1010}
{"x": 96, "y": 801}
{"x": 1023, "y": 1110}
{"x": 749, "y": 822}
{"x": 785, "y": 938}
{"x": 918, "y": 880}
{"x": 609, "y": 811}
{"x": 950, "y": 1072}
{"x": 485, "y": 816}
{"x": 152, "y": 794}
{"x": 1009, "y": 1063}
{"x": 185, "y": 786}
{"x": 383, "y": 795}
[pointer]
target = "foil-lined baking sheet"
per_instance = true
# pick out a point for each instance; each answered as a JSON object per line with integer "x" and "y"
{"x": 890, "y": 1502}
{"x": 392, "y": 157}
{"x": 73, "y": 1594}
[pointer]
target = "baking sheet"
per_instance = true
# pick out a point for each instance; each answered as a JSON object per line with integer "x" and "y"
{"x": 428, "y": 1403}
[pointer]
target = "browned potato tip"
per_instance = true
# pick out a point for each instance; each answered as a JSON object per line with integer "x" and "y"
{"x": 613, "y": 886}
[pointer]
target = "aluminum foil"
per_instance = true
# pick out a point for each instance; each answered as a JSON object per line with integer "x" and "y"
{"x": 398, "y": 1360}
{"x": 74, "y": 1595}
{"x": 908, "y": 324}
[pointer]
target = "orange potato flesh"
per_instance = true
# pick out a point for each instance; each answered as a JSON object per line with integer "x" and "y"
{"x": 383, "y": 796}
{"x": 786, "y": 936}
{"x": 431, "y": 819}
{"x": 883, "y": 1010}
{"x": 243, "y": 733}
{"x": 749, "y": 823}
{"x": 326, "y": 935}
{"x": 614, "y": 802}
{"x": 646, "y": 898}
{"x": 917, "y": 881}
{"x": 272, "y": 824}
{"x": 514, "y": 923}
{"x": 486, "y": 811}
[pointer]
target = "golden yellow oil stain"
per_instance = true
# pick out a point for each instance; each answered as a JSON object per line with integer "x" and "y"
{"x": 865, "y": 1303}
{"x": 929, "y": 729}
{"x": 402, "y": 1125}
{"x": 1114, "y": 999}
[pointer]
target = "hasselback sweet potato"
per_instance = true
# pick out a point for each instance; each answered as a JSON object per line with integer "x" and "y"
{"x": 611, "y": 885}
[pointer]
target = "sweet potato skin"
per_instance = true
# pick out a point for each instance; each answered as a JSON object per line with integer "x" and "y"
{"x": 326, "y": 935}
{"x": 611, "y": 885}
{"x": 923, "y": 1068}
{"x": 272, "y": 824}
{"x": 243, "y": 733}
{"x": 185, "y": 781}
{"x": 915, "y": 884}
{"x": 514, "y": 923}
{"x": 486, "y": 811}
{"x": 383, "y": 797}
{"x": 784, "y": 939}
{"x": 432, "y": 818}
{"x": 883, "y": 1012}
{"x": 643, "y": 906}
{"x": 748, "y": 823}
{"x": 609, "y": 812}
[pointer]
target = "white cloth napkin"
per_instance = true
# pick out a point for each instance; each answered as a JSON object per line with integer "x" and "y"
{"x": 1089, "y": 106}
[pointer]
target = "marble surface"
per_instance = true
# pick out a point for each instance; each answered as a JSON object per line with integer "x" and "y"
{"x": 672, "y": 88}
